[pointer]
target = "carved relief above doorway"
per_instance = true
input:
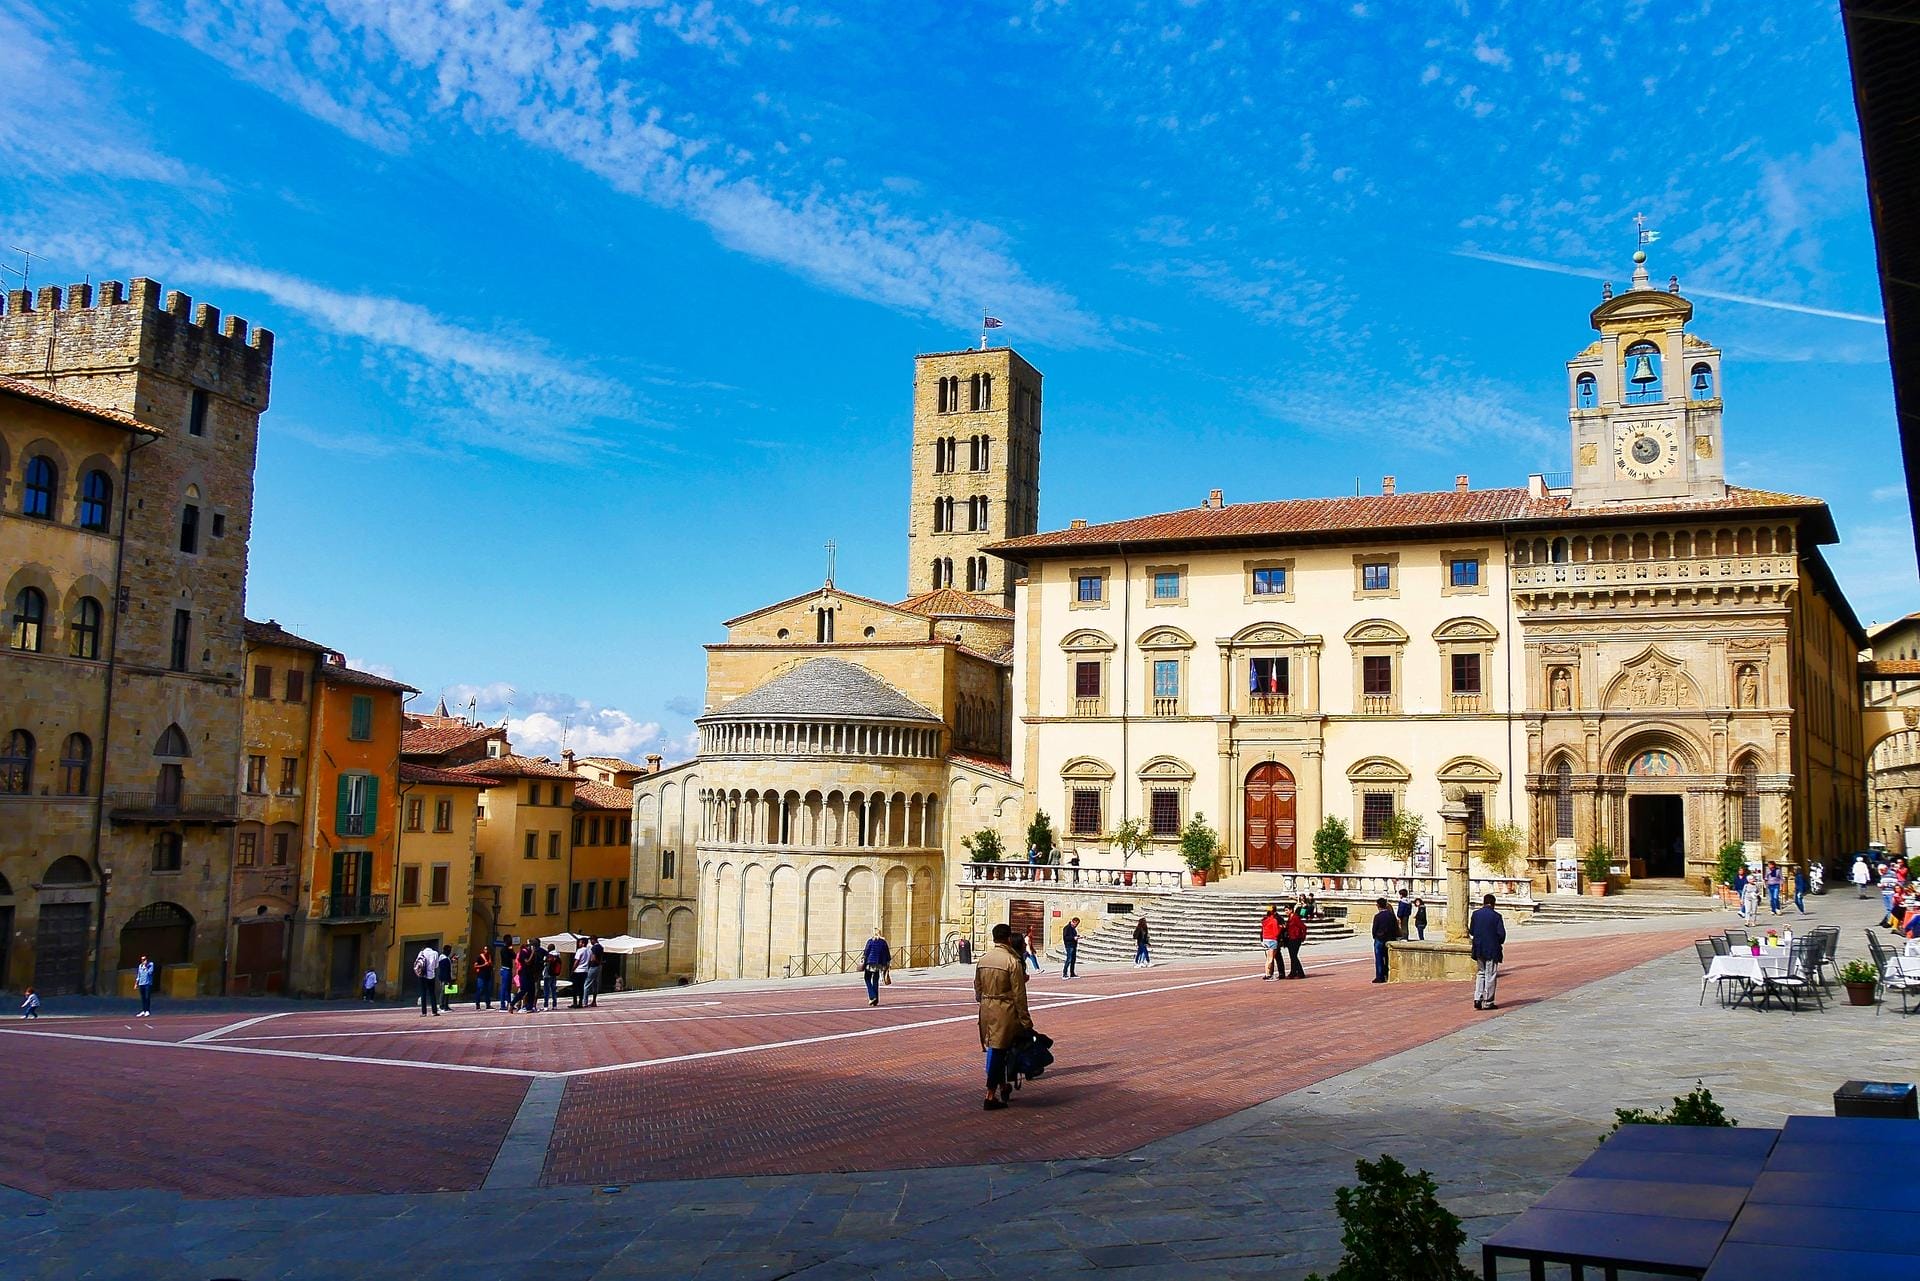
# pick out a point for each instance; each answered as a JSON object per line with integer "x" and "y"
{"x": 1652, "y": 680}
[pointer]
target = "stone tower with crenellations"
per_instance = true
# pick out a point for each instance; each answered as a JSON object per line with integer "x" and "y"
{"x": 976, "y": 469}
{"x": 172, "y": 557}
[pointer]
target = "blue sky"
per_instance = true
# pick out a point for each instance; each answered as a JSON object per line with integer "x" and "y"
{"x": 596, "y": 320}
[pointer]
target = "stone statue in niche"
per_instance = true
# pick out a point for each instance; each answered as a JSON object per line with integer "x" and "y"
{"x": 1562, "y": 690}
{"x": 1749, "y": 687}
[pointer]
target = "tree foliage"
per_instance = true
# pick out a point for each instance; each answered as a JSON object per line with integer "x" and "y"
{"x": 1504, "y": 848}
{"x": 984, "y": 846}
{"x": 1333, "y": 846}
{"x": 1130, "y": 839}
{"x": 1395, "y": 1229}
{"x": 1040, "y": 835}
{"x": 1198, "y": 843}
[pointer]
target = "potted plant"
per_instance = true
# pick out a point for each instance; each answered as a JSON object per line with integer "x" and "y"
{"x": 1596, "y": 863}
{"x": 1333, "y": 846}
{"x": 1403, "y": 834}
{"x": 1040, "y": 837}
{"x": 1130, "y": 839}
{"x": 1503, "y": 848}
{"x": 1860, "y": 979}
{"x": 1198, "y": 842}
{"x": 984, "y": 847}
{"x": 1727, "y": 866}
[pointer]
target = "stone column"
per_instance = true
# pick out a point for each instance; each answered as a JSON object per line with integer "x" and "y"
{"x": 1453, "y": 821}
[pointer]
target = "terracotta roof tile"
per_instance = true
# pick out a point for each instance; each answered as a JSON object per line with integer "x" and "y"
{"x": 23, "y": 390}
{"x": 1875, "y": 669}
{"x": 614, "y": 763}
{"x": 947, "y": 602}
{"x": 987, "y": 763}
{"x": 1305, "y": 519}
{"x": 411, "y": 773}
{"x": 271, "y": 633}
{"x": 598, "y": 796}
{"x": 438, "y": 740}
{"x": 517, "y": 767}
{"x": 342, "y": 675}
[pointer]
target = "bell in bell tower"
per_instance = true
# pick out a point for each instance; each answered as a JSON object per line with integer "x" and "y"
{"x": 1644, "y": 400}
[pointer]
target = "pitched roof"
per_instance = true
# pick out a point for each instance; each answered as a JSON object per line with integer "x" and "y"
{"x": 1316, "y": 519}
{"x": 987, "y": 763}
{"x": 271, "y": 633}
{"x": 517, "y": 767}
{"x": 22, "y": 390}
{"x": 437, "y": 740}
{"x": 411, "y": 773}
{"x": 809, "y": 595}
{"x": 339, "y": 674}
{"x": 825, "y": 687}
{"x": 598, "y": 796}
{"x": 611, "y": 763}
{"x": 948, "y": 602}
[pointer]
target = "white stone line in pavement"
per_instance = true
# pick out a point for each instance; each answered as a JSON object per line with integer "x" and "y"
{"x": 824, "y": 1038}
{"x": 522, "y": 1157}
{"x": 218, "y": 1032}
{"x": 215, "y": 1047}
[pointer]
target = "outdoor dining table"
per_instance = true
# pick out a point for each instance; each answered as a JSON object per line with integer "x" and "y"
{"x": 1750, "y": 971}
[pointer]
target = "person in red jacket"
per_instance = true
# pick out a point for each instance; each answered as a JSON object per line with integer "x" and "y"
{"x": 1293, "y": 932}
{"x": 1270, "y": 943}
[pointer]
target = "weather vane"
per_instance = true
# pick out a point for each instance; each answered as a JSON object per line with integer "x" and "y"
{"x": 1646, "y": 234}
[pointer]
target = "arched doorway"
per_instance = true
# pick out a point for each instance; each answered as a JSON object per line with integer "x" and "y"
{"x": 1655, "y": 773}
{"x": 1272, "y": 844}
{"x": 161, "y": 932}
{"x": 65, "y": 917}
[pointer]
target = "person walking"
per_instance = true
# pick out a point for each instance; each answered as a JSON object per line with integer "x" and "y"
{"x": 1270, "y": 944}
{"x": 1750, "y": 899}
{"x": 30, "y": 1008}
{"x": 443, "y": 973}
{"x": 1142, "y": 955}
{"x": 1862, "y": 875}
{"x": 596, "y": 966}
{"x": 426, "y": 968}
{"x": 482, "y": 978}
{"x": 370, "y": 985}
{"x": 1000, "y": 986}
{"x": 503, "y": 973}
{"x": 582, "y": 957}
{"x": 550, "y": 979}
{"x": 1386, "y": 929}
{"x": 873, "y": 963}
{"x": 1889, "y": 885}
{"x": 1772, "y": 880}
{"x": 1403, "y": 911}
{"x": 1489, "y": 934}
{"x": 143, "y": 980}
{"x": 1293, "y": 932}
{"x": 1026, "y": 946}
{"x": 1070, "y": 941}
{"x": 1802, "y": 882}
{"x": 1420, "y": 919}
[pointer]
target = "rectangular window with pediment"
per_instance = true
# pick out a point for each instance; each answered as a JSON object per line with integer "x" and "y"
{"x": 1376, "y": 811}
{"x": 1085, "y": 814}
{"x": 1166, "y": 686}
{"x": 1164, "y": 814}
{"x": 1376, "y": 675}
{"x": 1376, "y": 576}
{"x": 1463, "y": 572}
{"x": 1089, "y": 587}
{"x": 1268, "y": 581}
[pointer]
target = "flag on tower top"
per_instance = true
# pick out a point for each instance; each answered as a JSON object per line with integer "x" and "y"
{"x": 990, "y": 322}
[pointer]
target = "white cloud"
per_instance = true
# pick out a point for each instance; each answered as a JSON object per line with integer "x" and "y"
{"x": 373, "y": 669}
{"x": 495, "y": 68}
{"x": 1889, "y": 493}
{"x": 544, "y": 724}
{"x": 1490, "y": 55}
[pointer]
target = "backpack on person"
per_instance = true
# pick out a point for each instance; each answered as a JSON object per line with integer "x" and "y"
{"x": 420, "y": 966}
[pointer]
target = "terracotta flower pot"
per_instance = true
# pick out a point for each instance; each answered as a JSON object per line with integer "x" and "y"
{"x": 1859, "y": 993}
{"x": 1598, "y": 889}
{"x": 1199, "y": 877}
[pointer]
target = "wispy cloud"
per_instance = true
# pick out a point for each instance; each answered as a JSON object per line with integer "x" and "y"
{"x": 1695, "y": 291}
{"x": 375, "y": 70}
{"x": 544, "y": 724}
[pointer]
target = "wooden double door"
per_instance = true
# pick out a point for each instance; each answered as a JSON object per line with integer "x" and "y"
{"x": 1269, "y": 797}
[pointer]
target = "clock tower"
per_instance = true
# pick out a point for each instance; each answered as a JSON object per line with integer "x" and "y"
{"x": 1645, "y": 401}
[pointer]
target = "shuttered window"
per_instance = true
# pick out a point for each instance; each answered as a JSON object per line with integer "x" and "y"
{"x": 360, "y": 726}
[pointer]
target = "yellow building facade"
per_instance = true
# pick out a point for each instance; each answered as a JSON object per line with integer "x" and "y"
{"x": 598, "y": 880}
{"x": 525, "y": 841}
{"x": 434, "y": 900}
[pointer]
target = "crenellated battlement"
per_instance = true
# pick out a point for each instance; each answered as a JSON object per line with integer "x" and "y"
{"x": 141, "y": 294}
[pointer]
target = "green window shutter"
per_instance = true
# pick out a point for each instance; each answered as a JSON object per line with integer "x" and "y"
{"x": 340, "y": 821}
{"x": 371, "y": 819}
{"x": 366, "y": 871}
{"x": 362, "y": 726}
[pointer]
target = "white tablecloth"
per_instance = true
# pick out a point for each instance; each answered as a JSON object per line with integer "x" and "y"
{"x": 1913, "y": 947}
{"x": 1745, "y": 965}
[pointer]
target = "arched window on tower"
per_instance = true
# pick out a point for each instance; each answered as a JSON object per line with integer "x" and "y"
{"x": 41, "y": 483}
{"x": 986, "y": 453}
{"x": 1642, "y": 375}
{"x": 823, "y": 625}
{"x": 96, "y": 498}
{"x": 973, "y": 453}
{"x": 946, "y": 571}
{"x": 933, "y": 576}
{"x": 1700, "y": 382}
{"x": 83, "y": 634}
{"x": 1563, "y": 800}
{"x": 1749, "y": 799}
{"x": 29, "y": 619}
{"x": 1586, "y": 392}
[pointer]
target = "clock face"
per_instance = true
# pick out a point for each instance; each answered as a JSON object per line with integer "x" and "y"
{"x": 1646, "y": 450}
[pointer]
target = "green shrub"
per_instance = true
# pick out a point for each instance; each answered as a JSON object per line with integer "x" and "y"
{"x": 1504, "y": 848}
{"x": 984, "y": 845}
{"x": 1130, "y": 838}
{"x": 1198, "y": 842}
{"x": 1596, "y": 862}
{"x": 1732, "y": 858}
{"x": 1859, "y": 971}
{"x": 1395, "y": 1228}
{"x": 1694, "y": 1108}
{"x": 1404, "y": 831}
{"x": 1333, "y": 846}
{"x": 1040, "y": 836}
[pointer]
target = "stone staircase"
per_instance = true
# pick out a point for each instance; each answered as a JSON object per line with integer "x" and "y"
{"x": 1201, "y": 922}
{"x": 1636, "y": 904}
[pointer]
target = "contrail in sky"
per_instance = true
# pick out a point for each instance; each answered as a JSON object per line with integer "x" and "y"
{"x": 1535, "y": 264}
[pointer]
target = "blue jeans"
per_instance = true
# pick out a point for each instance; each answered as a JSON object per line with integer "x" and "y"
{"x": 550, "y": 988}
{"x": 1073, "y": 954}
{"x": 998, "y": 1061}
{"x": 1140, "y": 956}
{"x": 146, "y": 998}
{"x": 592, "y": 993}
{"x": 872, "y": 977}
{"x": 1800, "y": 900}
{"x": 1379, "y": 961}
{"x": 1773, "y": 898}
{"x": 483, "y": 990}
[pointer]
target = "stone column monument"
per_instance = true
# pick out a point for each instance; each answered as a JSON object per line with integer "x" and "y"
{"x": 1412, "y": 961}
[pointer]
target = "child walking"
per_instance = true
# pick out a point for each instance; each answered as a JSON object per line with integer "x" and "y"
{"x": 30, "y": 1008}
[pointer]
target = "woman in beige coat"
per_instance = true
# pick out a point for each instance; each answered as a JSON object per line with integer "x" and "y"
{"x": 1000, "y": 985}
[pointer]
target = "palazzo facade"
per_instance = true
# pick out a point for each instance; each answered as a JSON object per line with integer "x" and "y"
{"x": 1640, "y": 656}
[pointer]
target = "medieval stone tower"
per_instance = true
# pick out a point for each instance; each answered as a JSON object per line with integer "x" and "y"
{"x": 1644, "y": 399}
{"x": 976, "y": 469}
{"x": 169, "y": 557}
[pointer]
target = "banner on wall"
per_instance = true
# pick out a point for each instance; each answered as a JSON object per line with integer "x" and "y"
{"x": 1566, "y": 874}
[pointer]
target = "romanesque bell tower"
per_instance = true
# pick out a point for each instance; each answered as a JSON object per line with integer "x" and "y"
{"x": 976, "y": 469}
{"x": 1645, "y": 401}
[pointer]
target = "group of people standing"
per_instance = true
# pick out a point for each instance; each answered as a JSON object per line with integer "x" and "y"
{"x": 1748, "y": 886}
{"x": 526, "y": 976}
{"x": 1281, "y": 935}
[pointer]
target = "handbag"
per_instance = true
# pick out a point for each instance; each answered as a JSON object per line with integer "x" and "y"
{"x": 886, "y": 976}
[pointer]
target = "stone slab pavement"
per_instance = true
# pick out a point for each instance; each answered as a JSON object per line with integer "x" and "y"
{"x": 1498, "y": 1110}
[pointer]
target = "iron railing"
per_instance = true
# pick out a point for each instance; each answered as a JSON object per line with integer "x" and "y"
{"x": 916, "y": 957}
{"x": 353, "y": 907}
{"x": 146, "y": 803}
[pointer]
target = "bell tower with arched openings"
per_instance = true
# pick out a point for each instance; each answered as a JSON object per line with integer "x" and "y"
{"x": 976, "y": 469}
{"x": 1644, "y": 400}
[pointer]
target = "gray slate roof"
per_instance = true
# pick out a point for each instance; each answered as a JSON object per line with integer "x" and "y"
{"x": 825, "y": 687}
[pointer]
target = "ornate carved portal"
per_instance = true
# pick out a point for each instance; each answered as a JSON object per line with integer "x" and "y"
{"x": 1272, "y": 838}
